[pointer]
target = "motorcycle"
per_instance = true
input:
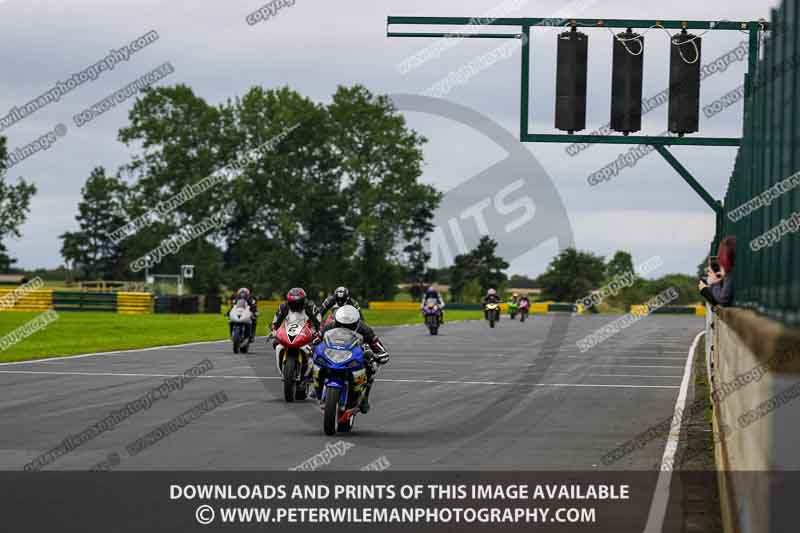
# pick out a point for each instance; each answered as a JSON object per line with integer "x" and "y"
{"x": 512, "y": 309}
{"x": 293, "y": 355}
{"x": 432, "y": 314}
{"x": 492, "y": 313}
{"x": 340, "y": 367}
{"x": 241, "y": 321}
{"x": 524, "y": 309}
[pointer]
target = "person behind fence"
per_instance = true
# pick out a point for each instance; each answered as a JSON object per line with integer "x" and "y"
{"x": 717, "y": 287}
{"x": 252, "y": 304}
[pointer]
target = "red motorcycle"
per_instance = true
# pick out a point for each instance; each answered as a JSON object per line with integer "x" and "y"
{"x": 328, "y": 319}
{"x": 294, "y": 355}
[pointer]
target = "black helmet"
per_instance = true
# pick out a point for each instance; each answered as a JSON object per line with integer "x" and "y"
{"x": 347, "y": 317}
{"x": 341, "y": 294}
{"x": 296, "y": 298}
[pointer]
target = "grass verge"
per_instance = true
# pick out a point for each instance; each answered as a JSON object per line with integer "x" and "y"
{"x": 696, "y": 465}
{"x": 79, "y": 333}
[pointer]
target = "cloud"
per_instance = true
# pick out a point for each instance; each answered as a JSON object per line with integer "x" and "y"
{"x": 315, "y": 46}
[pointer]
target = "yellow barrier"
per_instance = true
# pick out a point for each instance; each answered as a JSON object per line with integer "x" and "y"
{"x": 38, "y": 300}
{"x": 700, "y": 310}
{"x": 539, "y": 308}
{"x": 264, "y": 307}
{"x": 640, "y": 310}
{"x": 394, "y": 306}
{"x": 134, "y": 303}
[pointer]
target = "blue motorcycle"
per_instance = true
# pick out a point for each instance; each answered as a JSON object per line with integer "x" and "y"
{"x": 340, "y": 368}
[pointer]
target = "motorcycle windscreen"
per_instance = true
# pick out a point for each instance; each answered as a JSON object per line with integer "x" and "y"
{"x": 295, "y": 323}
{"x": 342, "y": 338}
{"x": 430, "y": 302}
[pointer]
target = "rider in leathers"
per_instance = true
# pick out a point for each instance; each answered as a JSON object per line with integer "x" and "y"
{"x": 491, "y": 298}
{"x": 252, "y": 304}
{"x": 431, "y": 292}
{"x": 295, "y": 301}
{"x": 340, "y": 297}
{"x": 349, "y": 317}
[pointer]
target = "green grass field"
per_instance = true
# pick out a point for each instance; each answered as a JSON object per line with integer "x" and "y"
{"x": 79, "y": 333}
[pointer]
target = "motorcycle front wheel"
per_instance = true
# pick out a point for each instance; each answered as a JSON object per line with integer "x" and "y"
{"x": 331, "y": 415}
{"x": 288, "y": 378}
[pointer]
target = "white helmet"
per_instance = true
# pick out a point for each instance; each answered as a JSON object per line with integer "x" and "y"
{"x": 347, "y": 316}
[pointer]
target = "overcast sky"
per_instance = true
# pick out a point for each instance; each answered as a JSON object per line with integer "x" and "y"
{"x": 314, "y": 45}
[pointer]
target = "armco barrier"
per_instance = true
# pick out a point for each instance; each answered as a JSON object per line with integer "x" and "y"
{"x": 756, "y": 373}
{"x": 182, "y": 305}
{"x": 134, "y": 303}
{"x": 698, "y": 310}
{"x": 84, "y": 301}
{"x": 38, "y": 300}
{"x": 536, "y": 308}
{"x": 562, "y": 308}
{"x": 395, "y": 306}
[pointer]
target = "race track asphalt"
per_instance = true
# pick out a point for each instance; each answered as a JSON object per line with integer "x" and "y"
{"x": 517, "y": 397}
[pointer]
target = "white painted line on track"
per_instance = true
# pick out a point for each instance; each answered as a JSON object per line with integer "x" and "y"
{"x": 626, "y": 357}
{"x": 232, "y": 407}
{"x": 425, "y": 381}
{"x": 116, "y": 352}
{"x": 619, "y": 375}
{"x": 658, "y": 507}
{"x": 80, "y": 408}
{"x": 638, "y": 366}
{"x": 629, "y": 376}
{"x": 121, "y": 374}
{"x": 457, "y": 382}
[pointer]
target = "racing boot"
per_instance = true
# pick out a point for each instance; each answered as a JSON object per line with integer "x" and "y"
{"x": 364, "y": 405}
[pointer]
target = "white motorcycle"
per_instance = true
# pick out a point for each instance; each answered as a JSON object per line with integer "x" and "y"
{"x": 241, "y": 320}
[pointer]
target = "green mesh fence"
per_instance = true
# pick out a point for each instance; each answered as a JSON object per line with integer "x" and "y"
{"x": 762, "y": 205}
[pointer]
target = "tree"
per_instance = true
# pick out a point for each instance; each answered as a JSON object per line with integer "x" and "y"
{"x": 472, "y": 292}
{"x": 6, "y": 262}
{"x": 522, "y": 282}
{"x": 381, "y": 163}
{"x": 620, "y": 264}
{"x": 572, "y": 275}
{"x": 481, "y": 264}
{"x": 101, "y": 211}
{"x": 417, "y": 254}
{"x": 335, "y": 201}
{"x": 14, "y": 207}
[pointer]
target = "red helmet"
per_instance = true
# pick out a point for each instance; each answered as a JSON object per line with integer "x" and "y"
{"x": 296, "y": 298}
